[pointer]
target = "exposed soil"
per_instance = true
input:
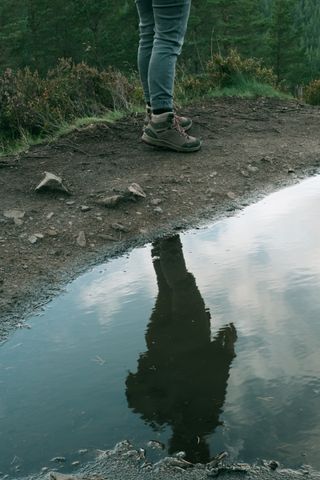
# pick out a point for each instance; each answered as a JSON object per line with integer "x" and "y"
{"x": 250, "y": 147}
{"x": 126, "y": 463}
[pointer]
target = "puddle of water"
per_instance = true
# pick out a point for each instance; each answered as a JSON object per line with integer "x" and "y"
{"x": 206, "y": 342}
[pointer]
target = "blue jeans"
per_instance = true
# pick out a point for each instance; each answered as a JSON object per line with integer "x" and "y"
{"x": 162, "y": 27}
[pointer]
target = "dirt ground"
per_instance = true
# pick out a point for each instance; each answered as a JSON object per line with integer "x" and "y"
{"x": 250, "y": 147}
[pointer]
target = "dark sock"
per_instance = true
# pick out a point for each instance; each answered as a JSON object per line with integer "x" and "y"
{"x": 161, "y": 110}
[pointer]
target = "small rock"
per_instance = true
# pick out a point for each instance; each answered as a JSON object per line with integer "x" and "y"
{"x": 70, "y": 202}
{"x": 44, "y": 469}
{"x": 231, "y": 195}
{"x": 158, "y": 210}
{"x": 33, "y": 239}
{"x": 58, "y": 459}
{"x": 273, "y": 465}
{"x": 83, "y": 451}
{"x": 245, "y": 174}
{"x": 119, "y": 227}
{"x": 110, "y": 202}
{"x": 16, "y": 215}
{"x": 213, "y": 174}
{"x": 156, "y": 201}
{"x": 107, "y": 237}
{"x": 85, "y": 208}
{"x": 252, "y": 168}
{"x": 155, "y": 444}
{"x": 50, "y": 215}
{"x": 136, "y": 190}
{"x": 75, "y": 463}
{"x": 63, "y": 476}
{"x": 81, "y": 239}
{"x": 52, "y": 182}
{"x": 52, "y": 232}
{"x": 39, "y": 235}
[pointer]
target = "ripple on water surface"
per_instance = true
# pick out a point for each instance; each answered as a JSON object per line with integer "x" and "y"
{"x": 206, "y": 342}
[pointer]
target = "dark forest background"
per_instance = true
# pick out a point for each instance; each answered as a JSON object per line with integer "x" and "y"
{"x": 285, "y": 34}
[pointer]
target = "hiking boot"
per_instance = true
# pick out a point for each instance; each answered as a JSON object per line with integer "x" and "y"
{"x": 164, "y": 130}
{"x": 184, "y": 122}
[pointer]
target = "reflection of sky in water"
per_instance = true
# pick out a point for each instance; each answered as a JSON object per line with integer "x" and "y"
{"x": 62, "y": 383}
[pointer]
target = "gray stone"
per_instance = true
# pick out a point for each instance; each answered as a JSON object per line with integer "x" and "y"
{"x": 231, "y": 195}
{"x": 110, "y": 202}
{"x": 119, "y": 227}
{"x": 81, "y": 239}
{"x": 156, "y": 201}
{"x": 52, "y": 182}
{"x": 15, "y": 214}
{"x": 33, "y": 239}
{"x": 252, "y": 168}
{"x": 136, "y": 190}
{"x": 58, "y": 459}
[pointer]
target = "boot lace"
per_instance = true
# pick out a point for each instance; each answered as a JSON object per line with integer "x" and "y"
{"x": 177, "y": 126}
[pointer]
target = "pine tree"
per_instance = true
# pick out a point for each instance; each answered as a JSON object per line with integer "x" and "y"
{"x": 286, "y": 55}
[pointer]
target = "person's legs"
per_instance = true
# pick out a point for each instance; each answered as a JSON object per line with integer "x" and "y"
{"x": 146, "y": 31}
{"x": 163, "y": 25}
{"x": 171, "y": 19}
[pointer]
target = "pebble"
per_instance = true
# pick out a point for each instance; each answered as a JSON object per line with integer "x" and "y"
{"x": 158, "y": 210}
{"x": 85, "y": 208}
{"x": 155, "y": 201}
{"x": 136, "y": 190}
{"x": 155, "y": 444}
{"x": 32, "y": 239}
{"x": 16, "y": 215}
{"x": 231, "y": 195}
{"x": 273, "y": 465}
{"x": 119, "y": 227}
{"x": 83, "y": 451}
{"x": 81, "y": 239}
{"x": 105, "y": 236}
{"x": 252, "y": 168}
{"x": 52, "y": 232}
{"x": 58, "y": 459}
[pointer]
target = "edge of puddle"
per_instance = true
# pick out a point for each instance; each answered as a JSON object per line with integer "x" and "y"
{"x": 45, "y": 291}
{"x": 126, "y": 463}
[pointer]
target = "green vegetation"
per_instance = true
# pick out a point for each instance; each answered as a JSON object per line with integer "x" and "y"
{"x": 285, "y": 34}
{"x": 65, "y": 60}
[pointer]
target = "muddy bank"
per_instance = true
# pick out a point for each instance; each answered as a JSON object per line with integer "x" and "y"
{"x": 124, "y": 462}
{"x": 250, "y": 147}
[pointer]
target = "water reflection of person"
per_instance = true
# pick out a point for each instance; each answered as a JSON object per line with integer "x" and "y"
{"x": 182, "y": 379}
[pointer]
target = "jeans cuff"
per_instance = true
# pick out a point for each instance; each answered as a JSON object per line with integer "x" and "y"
{"x": 159, "y": 104}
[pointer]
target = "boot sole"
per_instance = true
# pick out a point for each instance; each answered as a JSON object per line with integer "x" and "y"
{"x": 163, "y": 143}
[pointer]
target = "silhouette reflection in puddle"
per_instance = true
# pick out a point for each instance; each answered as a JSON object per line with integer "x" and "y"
{"x": 181, "y": 380}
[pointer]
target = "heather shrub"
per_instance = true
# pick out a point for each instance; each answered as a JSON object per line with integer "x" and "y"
{"x": 230, "y": 70}
{"x": 192, "y": 86}
{"x": 38, "y": 105}
{"x": 312, "y": 93}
